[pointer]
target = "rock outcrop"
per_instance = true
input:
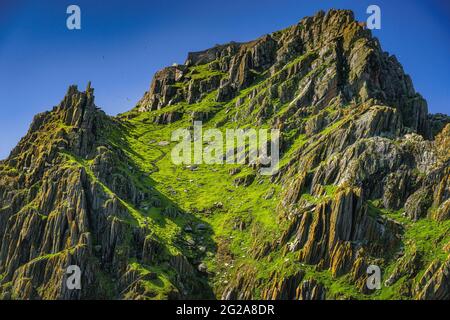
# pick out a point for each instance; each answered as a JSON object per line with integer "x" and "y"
{"x": 66, "y": 202}
{"x": 364, "y": 180}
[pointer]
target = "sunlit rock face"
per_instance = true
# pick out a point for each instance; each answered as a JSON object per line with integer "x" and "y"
{"x": 364, "y": 180}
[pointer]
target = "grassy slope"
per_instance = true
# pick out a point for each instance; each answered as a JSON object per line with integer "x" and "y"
{"x": 198, "y": 191}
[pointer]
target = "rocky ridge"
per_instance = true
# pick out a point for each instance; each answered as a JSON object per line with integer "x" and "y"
{"x": 364, "y": 180}
{"x": 67, "y": 200}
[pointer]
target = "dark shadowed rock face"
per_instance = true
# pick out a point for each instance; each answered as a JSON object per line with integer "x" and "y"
{"x": 364, "y": 180}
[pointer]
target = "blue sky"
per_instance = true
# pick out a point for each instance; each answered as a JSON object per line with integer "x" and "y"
{"x": 123, "y": 43}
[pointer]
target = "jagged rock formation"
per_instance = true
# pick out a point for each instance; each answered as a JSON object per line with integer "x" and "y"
{"x": 66, "y": 200}
{"x": 364, "y": 179}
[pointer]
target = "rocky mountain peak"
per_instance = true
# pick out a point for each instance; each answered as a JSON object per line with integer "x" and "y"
{"x": 77, "y": 108}
{"x": 71, "y": 126}
{"x": 363, "y": 180}
{"x": 357, "y": 70}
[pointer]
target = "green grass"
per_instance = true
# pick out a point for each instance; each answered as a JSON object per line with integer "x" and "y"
{"x": 198, "y": 191}
{"x": 158, "y": 288}
{"x": 425, "y": 236}
{"x": 203, "y": 71}
{"x": 239, "y": 220}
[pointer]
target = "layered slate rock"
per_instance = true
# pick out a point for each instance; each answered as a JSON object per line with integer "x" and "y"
{"x": 345, "y": 64}
{"x": 67, "y": 201}
{"x": 364, "y": 180}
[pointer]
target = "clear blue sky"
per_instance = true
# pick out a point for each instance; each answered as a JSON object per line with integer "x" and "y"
{"x": 122, "y": 44}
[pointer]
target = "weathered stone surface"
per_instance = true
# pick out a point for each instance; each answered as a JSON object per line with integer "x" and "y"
{"x": 360, "y": 149}
{"x": 74, "y": 212}
{"x": 435, "y": 283}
